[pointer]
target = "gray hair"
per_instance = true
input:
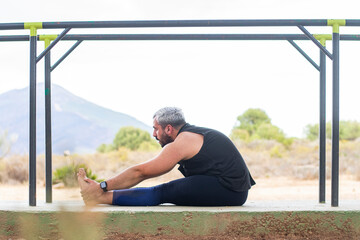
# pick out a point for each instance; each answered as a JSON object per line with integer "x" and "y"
{"x": 170, "y": 115}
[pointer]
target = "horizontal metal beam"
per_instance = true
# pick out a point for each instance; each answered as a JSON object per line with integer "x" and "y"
{"x": 14, "y": 38}
{"x": 182, "y": 23}
{"x": 352, "y": 22}
{"x": 185, "y": 23}
{"x": 349, "y": 37}
{"x": 11, "y": 26}
{"x": 130, "y": 37}
{"x": 187, "y": 37}
{"x": 175, "y": 23}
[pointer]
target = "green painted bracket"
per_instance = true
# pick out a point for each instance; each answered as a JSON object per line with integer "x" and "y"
{"x": 47, "y": 39}
{"x": 33, "y": 26}
{"x": 323, "y": 38}
{"x": 335, "y": 23}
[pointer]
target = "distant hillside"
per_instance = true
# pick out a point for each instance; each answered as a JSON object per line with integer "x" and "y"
{"x": 77, "y": 125}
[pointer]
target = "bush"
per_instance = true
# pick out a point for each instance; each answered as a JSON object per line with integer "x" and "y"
{"x": 269, "y": 131}
{"x": 240, "y": 134}
{"x": 275, "y": 152}
{"x": 349, "y": 130}
{"x": 17, "y": 171}
{"x": 5, "y": 143}
{"x": 148, "y": 146}
{"x": 68, "y": 174}
{"x": 131, "y": 138}
{"x": 251, "y": 119}
{"x": 104, "y": 148}
{"x": 255, "y": 124}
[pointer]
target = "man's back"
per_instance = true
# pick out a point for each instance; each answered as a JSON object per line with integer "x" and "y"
{"x": 218, "y": 157}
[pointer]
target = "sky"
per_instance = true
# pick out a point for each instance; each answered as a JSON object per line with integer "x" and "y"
{"x": 212, "y": 81}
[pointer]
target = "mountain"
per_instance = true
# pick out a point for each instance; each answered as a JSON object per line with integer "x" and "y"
{"x": 78, "y": 126}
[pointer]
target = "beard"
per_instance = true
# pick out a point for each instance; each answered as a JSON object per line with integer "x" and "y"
{"x": 164, "y": 140}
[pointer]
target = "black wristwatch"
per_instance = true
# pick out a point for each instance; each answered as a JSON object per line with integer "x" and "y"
{"x": 103, "y": 186}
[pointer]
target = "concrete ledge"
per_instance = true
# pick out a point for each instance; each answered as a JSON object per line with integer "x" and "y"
{"x": 250, "y": 206}
{"x": 266, "y": 220}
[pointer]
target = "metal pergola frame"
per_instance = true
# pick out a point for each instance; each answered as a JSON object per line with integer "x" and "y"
{"x": 52, "y": 40}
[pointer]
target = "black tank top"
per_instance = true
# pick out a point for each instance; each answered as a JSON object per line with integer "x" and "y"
{"x": 217, "y": 157}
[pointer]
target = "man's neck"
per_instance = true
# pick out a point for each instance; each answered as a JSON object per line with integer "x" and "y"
{"x": 177, "y": 130}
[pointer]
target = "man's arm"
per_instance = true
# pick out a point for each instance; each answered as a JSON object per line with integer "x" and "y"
{"x": 185, "y": 146}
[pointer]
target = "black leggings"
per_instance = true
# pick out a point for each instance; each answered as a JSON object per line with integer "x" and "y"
{"x": 196, "y": 190}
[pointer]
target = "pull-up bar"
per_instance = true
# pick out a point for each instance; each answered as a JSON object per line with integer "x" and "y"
{"x": 170, "y": 24}
{"x": 181, "y": 24}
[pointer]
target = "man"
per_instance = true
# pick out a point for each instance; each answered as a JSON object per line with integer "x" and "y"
{"x": 215, "y": 172}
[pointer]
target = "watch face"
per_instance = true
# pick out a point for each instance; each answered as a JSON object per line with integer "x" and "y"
{"x": 103, "y": 185}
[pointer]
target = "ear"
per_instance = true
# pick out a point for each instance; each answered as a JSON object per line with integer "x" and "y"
{"x": 169, "y": 129}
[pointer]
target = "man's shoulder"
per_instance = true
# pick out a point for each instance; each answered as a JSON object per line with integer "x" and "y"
{"x": 188, "y": 136}
{"x": 195, "y": 129}
{"x": 190, "y": 143}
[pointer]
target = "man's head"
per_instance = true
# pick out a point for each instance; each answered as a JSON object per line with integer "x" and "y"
{"x": 167, "y": 123}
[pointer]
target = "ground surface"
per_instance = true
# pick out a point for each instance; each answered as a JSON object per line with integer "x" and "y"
{"x": 265, "y": 189}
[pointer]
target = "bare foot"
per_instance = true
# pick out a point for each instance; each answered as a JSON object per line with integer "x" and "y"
{"x": 87, "y": 186}
{"x": 81, "y": 179}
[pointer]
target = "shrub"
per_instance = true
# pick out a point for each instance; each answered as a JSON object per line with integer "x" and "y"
{"x": 17, "y": 171}
{"x": 2, "y": 170}
{"x": 5, "y": 143}
{"x": 68, "y": 174}
{"x": 269, "y": 131}
{"x": 276, "y": 152}
{"x": 349, "y": 130}
{"x": 251, "y": 119}
{"x": 148, "y": 146}
{"x": 14, "y": 169}
{"x": 240, "y": 134}
{"x": 104, "y": 148}
{"x": 131, "y": 138}
{"x": 255, "y": 124}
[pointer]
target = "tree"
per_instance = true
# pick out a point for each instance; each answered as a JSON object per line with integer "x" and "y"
{"x": 312, "y": 131}
{"x": 269, "y": 131}
{"x": 131, "y": 138}
{"x": 254, "y": 123}
{"x": 252, "y": 119}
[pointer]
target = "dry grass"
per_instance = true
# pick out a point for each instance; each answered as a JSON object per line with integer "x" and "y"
{"x": 265, "y": 159}
{"x": 299, "y": 161}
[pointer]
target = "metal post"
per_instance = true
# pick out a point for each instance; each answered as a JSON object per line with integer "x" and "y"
{"x": 322, "y": 128}
{"x": 335, "y": 122}
{"x": 32, "y": 126}
{"x": 48, "y": 150}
